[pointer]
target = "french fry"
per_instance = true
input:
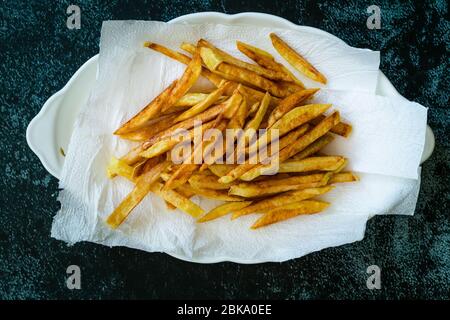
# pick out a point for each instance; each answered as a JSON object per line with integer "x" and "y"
{"x": 289, "y": 211}
{"x": 314, "y": 147}
{"x": 216, "y": 64}
{"x": 256, "y": 121}
{"x": 204, "y": 104}
{"x": 266, "y": 73}
{"x": 280, "y": 200}
{"x": 221, "y": 170}
{"x": 148, "y": 112}
{"x": 187, "y": 124}
{"x": 253, "y": 190}
{"x": 142, "y": 188}
{"x": 201, "y": 181}
{"x": 289, "y": 103}
{"x": 151, "y": 129}
{"x": 215, "y": 79}
{"x": 211, "y": 193}
{"x": 292, "y": 180}
{"x": 342, "y": 129}
{"x": 184, "y": 171}
{"x": 254, "y": 108}
{"x": 168, "y": 143}
{"x": 187, "y": 80}
{"x": 178, "y": 200}
{"x": 190, "y": 100}
{"x": 327, "y": 163}
{"x": 223, "y": 209}
{"x": 119, "y": 167}
{"x": 266, "y": 60}
{"x": 296, "y": 60}
{"x": 238, "y": 120}
{"x": 343, "y": 177}
{"x": 309, "y": 137}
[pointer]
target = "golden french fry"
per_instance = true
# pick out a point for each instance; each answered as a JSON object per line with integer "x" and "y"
{"x": 314, "y": 147}
{"x": 178, "y": 200}
{"x": 298, "y": 116}
{"x": 187, "y": 124}
{"x": 289, "y": 211}
{"x": 266, "y": 60}
{"x": 238, "y": 120}
{"x": 290, "y": 180}
{"x": 119, "y": 167}
{"x": 225, "y": 57}
{"x": 215, "y": 79}
{"x": 188, "y": 47}
{"x": 221, "y": 170}
{"x": 254, "y": 108}
{"x": 187, "y": 80}
{"x": 148, "y": 112}
{"x": 232, "y": 72}
{"x": 223, "y": 209}
{"x": 342, "y": 129}
{"x": 190, "y": 100}
{"x": 204, "y": 104}
{"x": 211, "y": 193}
{"x": 252, "y": 190}
{"x": 150, "y": 129}
{"x": 309, "y": 137}
{"x": 142, "y": 188}
{"x": 296, "y": 60}
{"x": 280, "y": 200}
{"x": 256, "y": 121}
{"x": 202, "y": 181}
{"x": 289, "y": 103}
{"x": 343, "y": 177}
{"x": 168, "y": 143}
{"x": 327, "y": 163}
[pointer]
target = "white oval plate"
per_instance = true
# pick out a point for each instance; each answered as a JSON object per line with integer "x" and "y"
{"x": 49, "y": 132}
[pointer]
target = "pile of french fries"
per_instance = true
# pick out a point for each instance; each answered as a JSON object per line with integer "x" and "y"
{"x": 248, "y": 96}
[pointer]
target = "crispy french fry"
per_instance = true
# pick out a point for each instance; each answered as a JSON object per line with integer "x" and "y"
{"x": 314, "y": 147}
{"x": 327, "y": 163}
{"x": 238, "y": 120}
{"x": 266, "y": 73}
{"x": 289, "y": 211}
{"x": 223, "y": 209}
{"x": 178, "y": 200}
{"x": 204, "y": 104}
{"x": 280, "y": 200}
{"x": 215, "y": 79}
{"x": 190, "y": 100}
{"x": 256, "y": 121}
{"x": 342, "y": 129}
{"x": 253, "y": 190}
{"x": 187, "y": 124}
{"x": 343, "y": 177}
{"x": 151, "y": 129}
{"x": 148, "y": 112}
{"x": 289, "y": 103}
{"x": 296, "y": 60}
{"x": 142, "y": 188}
{"x": 184, "y": 171}
{"x": 168, "y": 143}
{"x": 309, "y": 137}
{"x": 291, "y": 180}
{"x": 187, "y": 80}
{"x": 221, "y": 170}
{"x": 232, "y": 72}
{"x": 266, "y": 60}
{"x": 254, "y": 108}
{"x": 211, "y": 193}
{"x": 201, "y": 181}
{"x": 119, "y": 167}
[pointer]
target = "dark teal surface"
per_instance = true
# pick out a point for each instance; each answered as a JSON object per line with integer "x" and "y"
{"x": 39, "y": 54}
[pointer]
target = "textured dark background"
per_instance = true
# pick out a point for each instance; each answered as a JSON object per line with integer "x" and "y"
{"x": 39, "y": 54}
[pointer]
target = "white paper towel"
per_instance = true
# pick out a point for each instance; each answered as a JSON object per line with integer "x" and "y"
{"x": 385, "y": 146}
